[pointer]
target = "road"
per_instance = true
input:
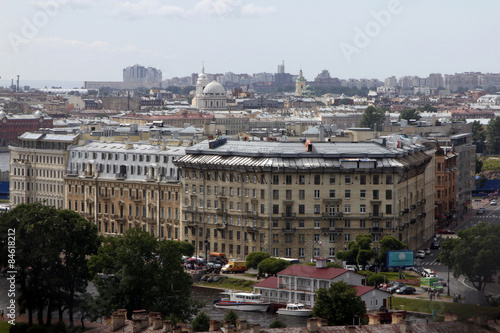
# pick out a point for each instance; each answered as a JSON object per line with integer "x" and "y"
{"x": 459, "y": 286}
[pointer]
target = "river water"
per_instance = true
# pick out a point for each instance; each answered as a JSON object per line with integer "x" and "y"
{"x": 4, "y": 161}
{"x": 206, "y": 295}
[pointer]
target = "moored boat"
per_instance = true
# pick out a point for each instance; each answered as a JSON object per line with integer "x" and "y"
{"x": 295, "y": 309}
{"x": 242, "y": 301}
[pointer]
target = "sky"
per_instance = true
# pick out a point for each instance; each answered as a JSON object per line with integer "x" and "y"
{"x": 93, "y": 40}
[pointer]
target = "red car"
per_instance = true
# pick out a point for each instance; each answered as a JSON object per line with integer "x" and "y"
{"x": 446, "y": 231}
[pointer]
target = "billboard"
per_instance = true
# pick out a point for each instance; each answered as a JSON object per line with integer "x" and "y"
{"x": 401, "y": 258}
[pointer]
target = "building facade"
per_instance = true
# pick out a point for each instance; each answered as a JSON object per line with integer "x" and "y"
{"x": 37, "y": 167}
{"x": 446, "y": 190}
{"x": 12, "y": 126}
{"x": 302, "y": 202}
{"x": 119, "y": 186}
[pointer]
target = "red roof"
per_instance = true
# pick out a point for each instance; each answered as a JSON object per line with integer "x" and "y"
{"x": 361, "y": 290}
{"x": 326, "y": 273}
{"x": 270, "y": 282}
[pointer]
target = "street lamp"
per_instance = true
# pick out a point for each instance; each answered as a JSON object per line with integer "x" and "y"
{"x": 206, "y": 251}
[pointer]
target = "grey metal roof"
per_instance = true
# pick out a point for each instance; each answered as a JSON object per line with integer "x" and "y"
{"x": 31, "y": 136}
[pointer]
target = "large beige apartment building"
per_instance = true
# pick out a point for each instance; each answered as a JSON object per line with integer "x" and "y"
{"x": 303, "y": 201}
{"x": 119, "y": 186}
{"x": 37, "y": 167}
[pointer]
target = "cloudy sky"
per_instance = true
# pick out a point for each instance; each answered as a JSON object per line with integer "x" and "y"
{"x": 79, "y": 40}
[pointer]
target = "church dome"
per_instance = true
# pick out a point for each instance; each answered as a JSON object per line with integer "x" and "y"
{"x": 202, "y": 79}
{"x": 38, "y": 114}
{"x": 2, "y": 114}
{"x": 214, "y": 88}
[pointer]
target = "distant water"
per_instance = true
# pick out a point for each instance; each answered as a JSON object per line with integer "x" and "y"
{"x": 4, "y": 161}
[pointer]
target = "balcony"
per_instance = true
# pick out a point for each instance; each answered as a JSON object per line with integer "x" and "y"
{"x": 288, "y": 230}
{"x": 329, "y": 230}
{"x": 121, "y": 176}
{"x": 374, "y": 216}
{"x": 413, "y": 221}
{"x": 104, "y": 196}
{"x": 220, "y": 225}
{"x": 252, "y": 229}
{"x": 331, "y": 215}
{"x": 413, "y": 207}
{"x": 189, "y": 223}
{"x": 288, "y": 215}
{"x": 136, "y": 198}
{"x": 221, "y": 211}
{"x": 377, "y": 229}
{"x": 251, "y": 214}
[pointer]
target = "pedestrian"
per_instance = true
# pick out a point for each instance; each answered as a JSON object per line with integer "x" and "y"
{"x": 258, "y": 276}
{"x": 459, "y": 298}
{"x": 430, "y": 297}
{"x": 439, "y": 295}
{"x": 266, "y": 275}
{"x": 1, "y": 315}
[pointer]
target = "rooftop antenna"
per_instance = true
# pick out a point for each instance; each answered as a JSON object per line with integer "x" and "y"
{"x": 17, "y": 86}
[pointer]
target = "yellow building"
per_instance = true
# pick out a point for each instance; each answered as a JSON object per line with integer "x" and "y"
{"x": 298, "y": 201}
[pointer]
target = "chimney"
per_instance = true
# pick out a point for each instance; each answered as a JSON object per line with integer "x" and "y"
{"x": 350, "y": 329}
{"x": 139, "y": 314}
{"x": 241, "y": 324}
{"x": 137, "y": 325}
{"x": 214, "y": 325}
{"x": 405, "y": 327}
{"x": 397, "y": 317}
{"x": 157, "y": 322}
{"x": 117, "y": 320}
{"x": 450, "y": 316}
{"x": 312, "y": 325}
{"x": 167, "y": 326}
{"x": 145, "y": 322}
{"x": 373, "y": 319}
{"x": 186, "y": 328}
{"x": 322, "y": 322}
{"x": 254, "y": 328}
{"x": 230, "y": 329}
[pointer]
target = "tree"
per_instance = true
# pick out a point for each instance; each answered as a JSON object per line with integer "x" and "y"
{"x": 389, "y": 243}
{"x": 473, "y": 254}
{"x": 339, "y": 304}
{"x": 136, "y": 271}
{"x": 427, "y": 108}
{"x": 232, "y": 317}
{"x": 52, "y": 250}
{"x": 272, "y": 265}
{"x": 277, "y": 324}
{"x": 493, "y": 136}
{"x": 359, "y": 251}
{"x": 201, "y": 323}
{"x": 409, "y": 114}
{"x": 372, "y": 118}
{"x": 375, "y": 279}
{"x": 254, "y": 258}
{"x": 478, "y": 136}
{"x": 482, "y": 181}
{"x": 479, "y": 166}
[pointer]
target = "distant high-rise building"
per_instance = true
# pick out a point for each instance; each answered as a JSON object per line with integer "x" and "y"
{"x": 138, "y": 73}
{"x": 281, "y": 68}
{"x": 435, "y": 80}
{"x": 391, "y": 82}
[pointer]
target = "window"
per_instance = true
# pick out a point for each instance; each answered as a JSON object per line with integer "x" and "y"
{"x": 362, "y": 179}
{"x": 362, "y": 223}
{"x": 302, "y": 209}
{"x": 316, "y": 194}
{"x": 348, "y": 179}
{"x": 317, "y": 209}
{"x": 288, "y": 179}
{"x": 209, "y": 189}
{"x": 317, "y": 179}
{"x": 276, "y": 179}
{"x": 276, "y": 209}
{"x": 301, "y": 252}
{"x": 332, "y": 180}
{"x": 301, "y": 223}
{"x": 302, "y": 194}
{"x": 316, "y": 224}
{"x": 347, "y": 208}
{"x": 388, "y": 209}
{"x": 347, "y": 238}
{"x": 331, "y": 238}
{"x": 347, "y": 223}
{"x": 288, "y": 238}
{"x": 375, "y": 179}
{"x": 388, "y": 194}
{"x": 288, "y": 194}
{"x": 276, "y": 194}
{"x": 302, "y": 179}
{"x": 347, "y": 194}
{"x": 375, "y": 194}
{"x": 301, "y": 238}
{"x": 275, "y": 238}
{"x": 388, "y": 179}
{"x": 316, "y": 238}
{"x": 362, "y": 208}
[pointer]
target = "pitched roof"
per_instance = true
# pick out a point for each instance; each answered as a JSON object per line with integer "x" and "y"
{"x": 270, "y": 282}
{"x": 326, "y": 273}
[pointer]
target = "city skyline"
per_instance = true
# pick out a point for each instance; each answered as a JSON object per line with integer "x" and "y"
{"x": 78, "y": 40}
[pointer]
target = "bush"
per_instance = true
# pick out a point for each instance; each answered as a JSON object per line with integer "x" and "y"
{"x": 37, "y": 329}
{"x": 19, "y": 328}
{"x": 277, "y": 324}
{"x": 375, "y": 279}
{"x": 232, "y": 317}
{"x": 201, "y": 323}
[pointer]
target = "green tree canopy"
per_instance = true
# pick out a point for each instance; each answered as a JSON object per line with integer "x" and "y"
{"x": 339, "y": 304}
{"x": 478, "y": 136}
{"x": 272, "y": 265}
{"x": 493, "y": 136}
{"x": 231, "y": 316}
{"x": 389, "y": 243}
{"x": 201, "y": 323}
{"x": 372, "y": 118}
{"x": 52, "y": 250}
{"x": 254, "y": 258}
{"x": 409, "y": 114}
{"x": 427, "y": 108}
{"x": 136, "y": 271}
{"x": 359, "y": 251}
{"x": 277, "y": 324}
{"x": 474, "y": 254}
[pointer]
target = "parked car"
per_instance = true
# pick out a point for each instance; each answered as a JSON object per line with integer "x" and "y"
{"x": 406, "y": 290}
{"x": 421, "y": 254}
{"x": 392, "y": 289}
{"x": 435, "y": 245}
{"x": 427, "y": 251}
{"x": 353, "y": 268}
{"x": 446, "y": 231}
{"x": 493, "y": 203}
{"x": 442, "y": 281}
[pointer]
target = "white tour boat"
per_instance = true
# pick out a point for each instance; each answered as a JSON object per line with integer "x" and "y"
{"x": 241, "y": 301}
{"x": 295, "y": 309}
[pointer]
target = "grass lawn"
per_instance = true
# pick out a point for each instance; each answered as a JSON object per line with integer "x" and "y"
{"x": 229, "y": 283}
{"x": 4, "y": 327}
{"x": 464, "y": 311}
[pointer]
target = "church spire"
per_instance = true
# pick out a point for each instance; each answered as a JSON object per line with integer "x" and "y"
{"x": 203, "y": 67}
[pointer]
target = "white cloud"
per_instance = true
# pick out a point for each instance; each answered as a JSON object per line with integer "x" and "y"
{"x": 75, "y": 4}
{"x": 217, "y": 7}
{"x": 254, "y": 11}
{"x": 145, "y": 8}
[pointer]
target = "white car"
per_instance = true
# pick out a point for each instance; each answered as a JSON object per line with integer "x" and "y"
{"x": 493, "y": 203}
{"x": 421, "y": 254}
